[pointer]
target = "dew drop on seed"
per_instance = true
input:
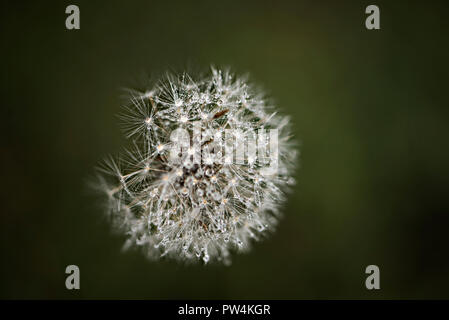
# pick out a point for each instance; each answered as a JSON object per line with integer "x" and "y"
{"x": 188, "y": 164}
{"x": 200, "y": 192}
{"x": 216, "y": 196}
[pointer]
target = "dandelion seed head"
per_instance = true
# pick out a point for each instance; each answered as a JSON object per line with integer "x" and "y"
{"x": 201, "y": 207}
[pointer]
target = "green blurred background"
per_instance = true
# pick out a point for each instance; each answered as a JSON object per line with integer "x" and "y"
{"x": 370, "y": 107}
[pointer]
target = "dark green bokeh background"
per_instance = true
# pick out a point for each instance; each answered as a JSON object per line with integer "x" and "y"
{"x": 371, "y": 109}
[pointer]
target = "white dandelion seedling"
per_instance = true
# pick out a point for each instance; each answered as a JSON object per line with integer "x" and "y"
{"x": 209, "y": 168}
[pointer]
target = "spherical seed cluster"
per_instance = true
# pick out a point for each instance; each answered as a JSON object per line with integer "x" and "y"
{"x": 199, "y": 205}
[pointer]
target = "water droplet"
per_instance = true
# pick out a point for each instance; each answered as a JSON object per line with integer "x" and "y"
{"x": 199, "y": 192}
{"x": 216, "y": 196}
{"x": 188, "y": 164}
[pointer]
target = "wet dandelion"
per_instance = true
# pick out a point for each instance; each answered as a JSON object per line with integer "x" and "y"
{"x": 210, "y": 166}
